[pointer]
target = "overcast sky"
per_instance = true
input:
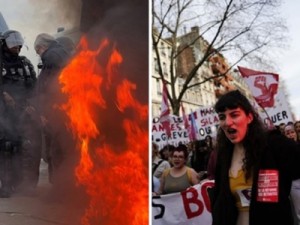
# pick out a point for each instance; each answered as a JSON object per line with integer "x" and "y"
{"x": 32, "y": 17}
{"x": 289, "y": 62}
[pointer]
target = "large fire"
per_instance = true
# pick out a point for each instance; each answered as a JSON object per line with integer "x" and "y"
{"x": 115, "y": 181}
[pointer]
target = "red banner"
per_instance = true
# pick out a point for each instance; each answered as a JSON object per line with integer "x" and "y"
{"x": 263, "y": 85}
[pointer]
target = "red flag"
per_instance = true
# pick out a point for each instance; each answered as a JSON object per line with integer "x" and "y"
{"x": 185, "y": 118}
{"x": 263, "y": 85}
{"x": 165, "y": 111}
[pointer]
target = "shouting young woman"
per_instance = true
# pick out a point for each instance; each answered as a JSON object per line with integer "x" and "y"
{"x": 255, "y": 168}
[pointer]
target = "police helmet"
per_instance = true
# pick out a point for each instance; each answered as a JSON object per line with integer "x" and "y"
{"x": 13, "y": 38}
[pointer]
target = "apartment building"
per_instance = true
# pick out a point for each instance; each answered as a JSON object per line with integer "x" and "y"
{"x": 206, "y": 89}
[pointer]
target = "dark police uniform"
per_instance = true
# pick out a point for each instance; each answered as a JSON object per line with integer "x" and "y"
{"x": 19, "y": 133}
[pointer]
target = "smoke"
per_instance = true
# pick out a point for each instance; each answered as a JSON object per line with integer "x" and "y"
{"x": 64, "y": 12}
{"x": 32, "y": 17}
{"x": 125, "y": 24}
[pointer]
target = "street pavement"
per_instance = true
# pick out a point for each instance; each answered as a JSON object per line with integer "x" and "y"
{"x": 39, "y": 208}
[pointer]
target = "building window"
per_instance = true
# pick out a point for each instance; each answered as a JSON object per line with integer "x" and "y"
{"x": 169, "y": 52}
{"x": 156, "y": 64}
{"x": 163, "y": 49}
{"x": 158, "y": 87}
{"x": 165, "y": 71}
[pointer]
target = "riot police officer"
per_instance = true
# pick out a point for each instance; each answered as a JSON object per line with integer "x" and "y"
{"x": 18, "y": 129}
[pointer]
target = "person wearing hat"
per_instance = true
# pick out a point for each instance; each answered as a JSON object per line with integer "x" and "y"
{"x": 54, "y": 57}
{"x": 17, "y": 117}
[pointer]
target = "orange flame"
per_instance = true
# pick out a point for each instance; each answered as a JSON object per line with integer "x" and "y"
{"x": 116, "y": 183}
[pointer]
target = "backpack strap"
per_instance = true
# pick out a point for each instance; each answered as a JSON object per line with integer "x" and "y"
{"x": 189, "y": 174}
{"x": 156, "y": 166}
{"x": 166, "y": 172}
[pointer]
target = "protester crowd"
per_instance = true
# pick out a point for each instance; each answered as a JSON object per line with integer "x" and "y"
{"x": 175, "y": 168}
{"x": 30, "y": 127}
{"x": 241, "y": 160}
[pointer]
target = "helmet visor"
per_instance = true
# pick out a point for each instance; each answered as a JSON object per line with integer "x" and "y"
{"x": 14, "y": 39}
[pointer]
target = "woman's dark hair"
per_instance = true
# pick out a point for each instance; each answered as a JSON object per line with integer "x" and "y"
{"x": 168, "y": 148}
{"x": 209, "y": 141}
{"x": 181, "y": 148}
{"x": 200, "y": 144}
{"x": 254, "y": 141}
{"x": 233, "y": 100}
{"x": 298, "y": 121}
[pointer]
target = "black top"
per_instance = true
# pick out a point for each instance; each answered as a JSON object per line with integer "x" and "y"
{"x": 18, "y": 81}
{"x": 18, "y": 78}
{"x": 54, "y": 59}
{"x": 282, "y": 155}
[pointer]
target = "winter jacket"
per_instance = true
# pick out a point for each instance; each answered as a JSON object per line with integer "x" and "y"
{"x": 281, "y": 156}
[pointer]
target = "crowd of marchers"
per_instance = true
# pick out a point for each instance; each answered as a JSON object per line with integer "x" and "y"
{"x": 30, "y": 129}
{"x": 241, "y": 160}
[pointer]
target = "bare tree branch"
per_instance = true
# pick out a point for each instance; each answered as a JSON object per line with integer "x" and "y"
{"x": 243, "y": 29}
